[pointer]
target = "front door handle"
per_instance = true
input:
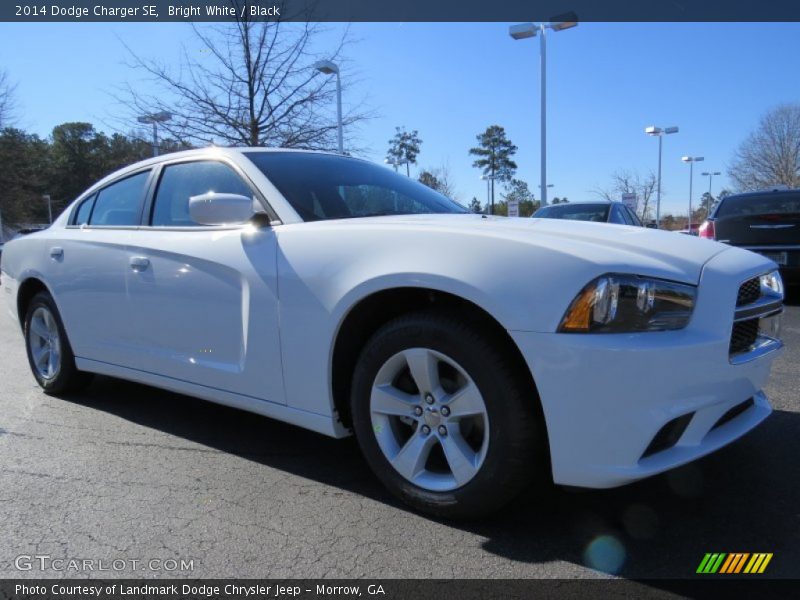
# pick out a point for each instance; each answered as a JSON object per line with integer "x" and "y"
{"x": 139, "y": 263}
{"x": 56, "y": 252}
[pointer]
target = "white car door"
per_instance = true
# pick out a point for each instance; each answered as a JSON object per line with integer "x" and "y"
{"x": 86, "y": 264}
{"x": 203, "y": 300}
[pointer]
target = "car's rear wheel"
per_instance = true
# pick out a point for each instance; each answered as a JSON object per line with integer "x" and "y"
{"x": 49, "y": 352}
{"x": 442, "y": 419}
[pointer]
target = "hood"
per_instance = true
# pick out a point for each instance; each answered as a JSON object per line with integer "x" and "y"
{"x": 651, "y": 252}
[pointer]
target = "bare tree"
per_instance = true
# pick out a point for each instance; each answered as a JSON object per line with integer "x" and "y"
{"x": 631, "y": 182}
{"x": 6, "y": 100}
{"x": 254, "y": 84}
{"x": 440, "y": 179}
{"x": 448, "y": 186}
{"x": 771, "y": 154}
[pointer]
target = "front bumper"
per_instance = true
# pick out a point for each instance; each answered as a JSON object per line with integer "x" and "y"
{"x": 606, "y": 397}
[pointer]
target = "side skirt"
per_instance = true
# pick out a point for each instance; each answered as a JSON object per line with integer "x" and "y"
{"x": 308, "y": 420}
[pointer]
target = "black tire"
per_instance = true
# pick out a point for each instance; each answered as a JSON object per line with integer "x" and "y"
{"x": 516, "y": 454}
{"x": 67, "y": 378}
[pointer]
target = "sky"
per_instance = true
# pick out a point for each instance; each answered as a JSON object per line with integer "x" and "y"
{"x": 606, "y": 83}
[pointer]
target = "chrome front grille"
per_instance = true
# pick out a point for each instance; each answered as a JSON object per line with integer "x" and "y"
{"x": 754, "y": 303}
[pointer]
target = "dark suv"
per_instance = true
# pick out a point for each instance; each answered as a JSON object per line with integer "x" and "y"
{"x": 764, "y": 222}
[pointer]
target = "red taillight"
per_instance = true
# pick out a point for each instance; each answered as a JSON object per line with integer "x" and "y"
{"x": 707, "y": 230}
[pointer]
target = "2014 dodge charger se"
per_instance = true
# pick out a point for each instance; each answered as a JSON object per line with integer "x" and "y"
{"x": 470, "y": 355}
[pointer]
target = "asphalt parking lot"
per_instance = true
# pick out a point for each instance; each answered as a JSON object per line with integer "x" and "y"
{"x": 128, "y": 472}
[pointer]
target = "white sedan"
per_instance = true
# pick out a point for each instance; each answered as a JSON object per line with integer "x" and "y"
{"x": 470, "y": 355}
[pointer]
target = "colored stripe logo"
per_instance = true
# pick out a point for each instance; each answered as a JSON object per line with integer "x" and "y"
{"x": 734, "y": 562}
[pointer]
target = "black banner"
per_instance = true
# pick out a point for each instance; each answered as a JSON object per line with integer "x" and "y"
{"x": 398, "y": 11}
{"x": 394, "y": 589}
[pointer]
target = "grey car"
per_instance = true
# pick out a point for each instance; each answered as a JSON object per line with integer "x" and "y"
{"x": 600, "y": 212}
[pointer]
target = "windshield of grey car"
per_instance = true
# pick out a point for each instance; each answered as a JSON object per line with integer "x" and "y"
{"x": 575, "y": 212}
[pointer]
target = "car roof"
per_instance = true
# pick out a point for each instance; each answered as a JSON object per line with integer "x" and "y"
{"x": 765, "y": 192}
{"x": 215, "y": 150}
{"x": 209, "y": 151}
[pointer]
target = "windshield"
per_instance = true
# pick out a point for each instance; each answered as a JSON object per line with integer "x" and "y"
{"x": 759, "y": 205}
{"x": 575, "y": 212}
{"x": 324, "y": 186}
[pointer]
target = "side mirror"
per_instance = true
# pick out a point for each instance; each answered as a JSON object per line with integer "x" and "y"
{"x": 220, "y": 209}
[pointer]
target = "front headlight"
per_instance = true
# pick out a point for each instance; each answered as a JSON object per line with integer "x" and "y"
{"x": 771, "y": 284}
{"x": 617, "y": 303}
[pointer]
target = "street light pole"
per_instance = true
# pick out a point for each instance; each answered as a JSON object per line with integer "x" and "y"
{"x": 543, "y": 110}
{"x": 710, "y": 176}
{"x": 691, "y": 160}
{"x": 658, "y": 185}
{"x": 489, "y": 196}
{"x": 339, "y": 111}
{"x": 155, "y": 119}
{"x": 659, "y": 132}
{"x": 46, "y": 198}
{"x": 329, "y": 67}
{"x": 527, "y": 30}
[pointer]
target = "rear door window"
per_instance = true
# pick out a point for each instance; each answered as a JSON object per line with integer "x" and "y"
{"x": 119, "y": 204}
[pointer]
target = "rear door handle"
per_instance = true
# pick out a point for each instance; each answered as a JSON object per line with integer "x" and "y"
{"x": 139, "y": 263}
{"x": 56, "y": 252}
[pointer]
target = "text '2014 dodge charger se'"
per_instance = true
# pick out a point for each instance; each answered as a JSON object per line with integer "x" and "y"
{"x": 470, "y": 355}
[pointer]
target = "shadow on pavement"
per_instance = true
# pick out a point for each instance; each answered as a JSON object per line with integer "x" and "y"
{"x": 744, "y": 498}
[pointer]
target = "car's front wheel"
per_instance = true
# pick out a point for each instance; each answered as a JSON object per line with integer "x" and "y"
{"x": 49, "y": 352}
{"x": 441, "y": 417}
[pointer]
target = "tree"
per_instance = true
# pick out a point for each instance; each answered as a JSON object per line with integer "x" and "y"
{"x": 494, "y": 154}
{"x": 254, "y": 85}
{"x": 770, "y": 155}
{"x": 23, "y": 178}
{"x": 707, "y": 202}
{"x": 62, "y": 166}
{"x": 558, "y": 200}
{"x": 439, "y": 179}
{"x": 404, "y": 148}
{"x": 632, "y": 182}
{"x": 429, "y": 179}
{"x": 518, "y": 190}
{"x": 475, "y": 206}
{"x": 6, "y": 100}
{"x": 669, "y": 222}
{"x": 77, "y": 159}
{"x": 79, "y": 155}
{"x": 699, "y": 214}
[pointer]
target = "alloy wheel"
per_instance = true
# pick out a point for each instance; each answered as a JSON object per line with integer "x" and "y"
{"x": 45, "y": 343}
{"x": 429, "y": 419}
